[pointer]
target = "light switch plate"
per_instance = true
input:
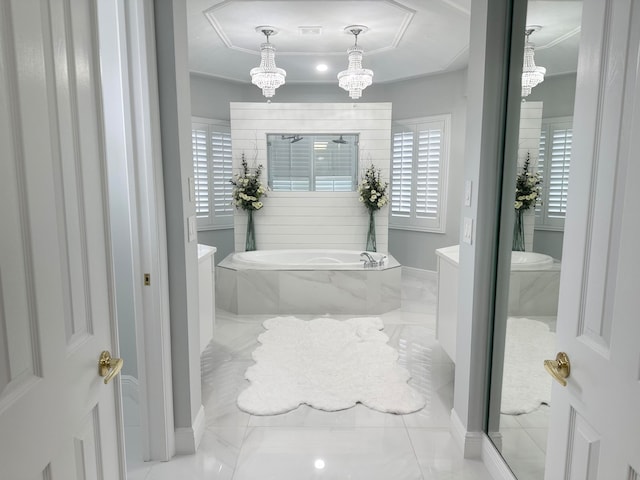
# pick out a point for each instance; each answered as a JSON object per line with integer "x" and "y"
{"x": 467, "y": 193}
{"x": 191, "y": 227}
{"x": 467, "y": 233}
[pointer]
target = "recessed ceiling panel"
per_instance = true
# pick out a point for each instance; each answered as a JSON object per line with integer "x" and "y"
{"x": 235, "y": 21}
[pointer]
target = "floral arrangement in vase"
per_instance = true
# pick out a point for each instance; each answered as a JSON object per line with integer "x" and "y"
{"x": 247, "y": 191}
{"x": 528, "y": 189}
{"x": 373, "y": 194}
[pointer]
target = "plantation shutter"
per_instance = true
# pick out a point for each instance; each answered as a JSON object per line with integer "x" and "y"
{"x": 542, "y": 146}
{"x": 428, "y": 173}
{"x": 553, "y": 168}
{"x": 560, "y": 157}
{"x": 401, "y": 175}
{"x": 222, "y": 171}
{"x": 199, "y": 134}
{"x": 212, "y": 170}
{"x": 418, "y": 173}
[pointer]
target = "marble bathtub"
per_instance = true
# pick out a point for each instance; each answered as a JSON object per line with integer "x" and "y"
{"x": 322, "y": 282}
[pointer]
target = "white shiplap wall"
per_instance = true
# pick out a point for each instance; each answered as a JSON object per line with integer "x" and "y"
{"x": 529, "y": 141}
{"x": 311, "y": 219}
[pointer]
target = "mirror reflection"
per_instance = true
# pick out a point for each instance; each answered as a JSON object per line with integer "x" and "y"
{"x": 312, "y": 162}
{"x": 521, "y": 389}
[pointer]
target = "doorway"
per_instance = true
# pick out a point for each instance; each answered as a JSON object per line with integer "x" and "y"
{"x": 133, "y": 155}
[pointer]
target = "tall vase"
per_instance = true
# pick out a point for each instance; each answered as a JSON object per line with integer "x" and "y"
{"x": 250, "y": 240}
{"x": 518, "y": 232}
{"x": 371, "y": 234}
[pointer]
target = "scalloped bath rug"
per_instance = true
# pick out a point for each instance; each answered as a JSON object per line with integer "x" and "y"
{"x": 327, "y": 364}
{"x": 525, "y": 383}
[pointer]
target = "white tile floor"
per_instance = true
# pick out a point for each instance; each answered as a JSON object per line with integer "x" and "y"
{"x": 357, "y": 443}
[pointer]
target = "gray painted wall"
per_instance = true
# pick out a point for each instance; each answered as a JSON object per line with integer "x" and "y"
{"x": 177, "y": 164}
{"x": 221, "y": 239}
{"x": 419, "y": 97}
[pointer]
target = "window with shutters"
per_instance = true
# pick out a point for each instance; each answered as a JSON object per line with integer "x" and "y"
{"x": 553, "y": 166}
{"x": 212, "y": 170}
{"x": 312, "y": 162}
{"x": 419, "y": 165}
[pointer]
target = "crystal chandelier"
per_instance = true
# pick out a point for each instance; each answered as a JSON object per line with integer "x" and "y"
{"x": 355, "y": 78}
{"x": 531, "y": 75}
{"x": 267, "y": 76}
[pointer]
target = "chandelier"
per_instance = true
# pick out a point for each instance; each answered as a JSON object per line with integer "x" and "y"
{"x": 267, "y": 76}
{"x": 531, "y": 75}
{"x": 355, "y": 78}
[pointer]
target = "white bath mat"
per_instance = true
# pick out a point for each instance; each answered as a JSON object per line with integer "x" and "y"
{"x": 526, "y": 385}
{"x": 326, "y": 364}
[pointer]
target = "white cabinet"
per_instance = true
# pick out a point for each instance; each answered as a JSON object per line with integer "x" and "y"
{"x": 206, "y": 293}
{"x": 447, "y": 309}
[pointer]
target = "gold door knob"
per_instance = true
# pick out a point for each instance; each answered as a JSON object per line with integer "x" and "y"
{"x": 109, "y": 367}
{"x": 560, "y": 368}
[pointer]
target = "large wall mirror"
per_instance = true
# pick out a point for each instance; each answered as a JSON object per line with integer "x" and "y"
{"x": 312, "y": 162}
{"x": 525, "y": 323}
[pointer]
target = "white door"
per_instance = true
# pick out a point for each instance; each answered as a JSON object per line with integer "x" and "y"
{"x": 595, "y": 421}
{"x": 58, "y": 419}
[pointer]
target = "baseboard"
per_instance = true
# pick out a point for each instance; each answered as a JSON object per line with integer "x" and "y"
{"x": 469, "y": 442}
{"x": 419, "y": 273}
{"x": 494, "y": 462}
{"x": 188, "y": 438}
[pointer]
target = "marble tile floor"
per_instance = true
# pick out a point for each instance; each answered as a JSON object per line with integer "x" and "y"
{"x": 356, "y": 444}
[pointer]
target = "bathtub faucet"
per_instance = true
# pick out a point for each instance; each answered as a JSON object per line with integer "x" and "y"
{"x": 369, "y": 261}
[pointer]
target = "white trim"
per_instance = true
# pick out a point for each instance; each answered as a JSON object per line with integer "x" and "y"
{"x": 188, "y": 438}
{"x": 494, "y": 461}
{"x": 152, "y": 328}
{"x": 413, "y": 228}
{"x": 469, "y": 442}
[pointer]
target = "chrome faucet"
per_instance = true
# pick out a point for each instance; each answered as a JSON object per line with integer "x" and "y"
{"x": 369, "y": 261}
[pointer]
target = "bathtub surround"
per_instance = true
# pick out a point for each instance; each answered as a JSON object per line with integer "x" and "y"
{"x": 307, "y": 286}
{"x": 311, "y": 219}
{"x": 327, "y": 364}
{"x": 534, "y": 286}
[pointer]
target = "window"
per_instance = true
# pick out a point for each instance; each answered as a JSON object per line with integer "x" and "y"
{"x": 212, "y": 170}
{"x": 553, "y": 167}
{"x": 420, "y": 157}
{"x": 312, "y": 162}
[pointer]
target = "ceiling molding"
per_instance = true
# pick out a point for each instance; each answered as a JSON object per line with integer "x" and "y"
{"x": 560, "y": 39}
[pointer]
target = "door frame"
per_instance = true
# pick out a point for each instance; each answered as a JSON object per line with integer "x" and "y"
{"x": 495, "y": 66}
{"x": 130, "y": 74}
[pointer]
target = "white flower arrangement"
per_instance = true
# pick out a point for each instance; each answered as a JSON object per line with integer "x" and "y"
{"x": 373, "y": 192}
{"x": 527, "y": 188}
{"x": 248, "y": 188}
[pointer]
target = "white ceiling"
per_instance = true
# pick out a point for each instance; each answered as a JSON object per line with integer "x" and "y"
{"x": 406, "y": 38}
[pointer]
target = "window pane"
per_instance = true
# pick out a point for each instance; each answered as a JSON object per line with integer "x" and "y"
{"x": 312, "y": 162}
